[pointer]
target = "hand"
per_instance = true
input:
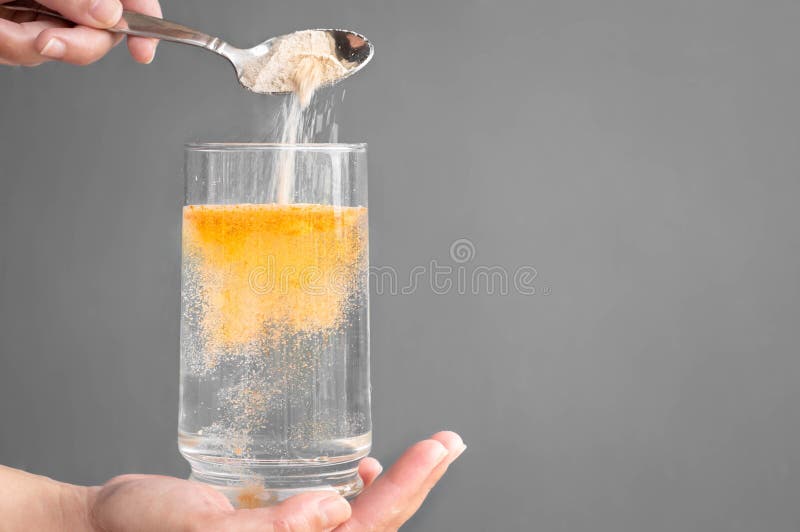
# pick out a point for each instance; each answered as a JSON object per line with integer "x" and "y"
{"x": 153, "y": 503}
{"x": 29, "y": 39}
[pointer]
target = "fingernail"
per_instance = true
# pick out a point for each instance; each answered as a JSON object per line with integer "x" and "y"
{"x": 334, "y": 510}
{"x": 457, "y": 452}
{"x": 55, "y": 49}
{"x": 106, "y": 12}
{"x": 441, "y": 452}
{"x": 152, "y": 53}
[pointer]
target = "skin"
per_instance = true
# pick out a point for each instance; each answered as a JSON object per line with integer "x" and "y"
{"x": 28, "y": 39}
{"x": 159, "y": 504}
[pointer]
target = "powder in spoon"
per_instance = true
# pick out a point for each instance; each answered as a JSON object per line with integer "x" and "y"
{"x": 299, "y": 62}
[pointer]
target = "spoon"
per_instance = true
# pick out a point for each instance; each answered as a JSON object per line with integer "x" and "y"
{"x": 353, "y": 50}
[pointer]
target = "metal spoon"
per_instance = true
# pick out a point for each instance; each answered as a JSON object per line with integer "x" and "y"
{"x": 353, "y": 50}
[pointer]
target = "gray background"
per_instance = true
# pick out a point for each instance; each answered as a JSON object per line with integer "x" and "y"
{"x": 642, "y": 155}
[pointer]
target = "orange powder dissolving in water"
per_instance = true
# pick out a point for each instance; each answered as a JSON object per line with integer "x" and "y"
{"x": 270, "y": 270}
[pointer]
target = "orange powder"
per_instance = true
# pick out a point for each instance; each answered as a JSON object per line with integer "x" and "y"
{"x": 251, "y": 496}
{"x": 266, "y": 271}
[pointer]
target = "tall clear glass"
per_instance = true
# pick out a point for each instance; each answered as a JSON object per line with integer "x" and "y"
{"x": 275, "y": 393}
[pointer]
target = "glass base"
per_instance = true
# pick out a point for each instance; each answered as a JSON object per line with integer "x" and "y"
{"x": 256, "y": 491}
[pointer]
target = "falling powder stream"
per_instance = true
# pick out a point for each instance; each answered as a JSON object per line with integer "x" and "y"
{"x": 304, "y": 61}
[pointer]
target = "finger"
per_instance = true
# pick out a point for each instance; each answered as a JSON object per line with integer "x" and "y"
{"x": 380, "y": 506}
{"x": 17, "y": 42}
{"x": 79, "y": 45}
{"x": 396, "y": 496}
{"x": 309, "y": 512}
{"x": 143, "y": 50}
{"x": 455, "y": 447}
{"x": 368, "y": 470}
{"x": 93, "y": 13}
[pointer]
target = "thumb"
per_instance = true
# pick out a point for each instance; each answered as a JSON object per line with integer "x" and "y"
{"x": 93, "y": 13}
{"x": 309, "y": 512}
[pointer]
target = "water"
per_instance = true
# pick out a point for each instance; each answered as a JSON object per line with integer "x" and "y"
{"x": 274, "y": 349}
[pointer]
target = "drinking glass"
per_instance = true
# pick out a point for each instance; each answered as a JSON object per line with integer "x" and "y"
{"x": 274, "y": 366}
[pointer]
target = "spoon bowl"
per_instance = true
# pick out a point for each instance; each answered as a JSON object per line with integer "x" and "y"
{"x": 352, "y": 50}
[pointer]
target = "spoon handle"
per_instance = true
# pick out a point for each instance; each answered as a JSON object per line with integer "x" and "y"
{"x": 138, "y": 25}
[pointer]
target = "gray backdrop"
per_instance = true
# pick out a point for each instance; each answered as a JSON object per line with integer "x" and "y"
{"x": 642, "y": 155}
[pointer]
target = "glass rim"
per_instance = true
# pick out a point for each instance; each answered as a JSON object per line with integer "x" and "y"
{"x": 277, "y": 146}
